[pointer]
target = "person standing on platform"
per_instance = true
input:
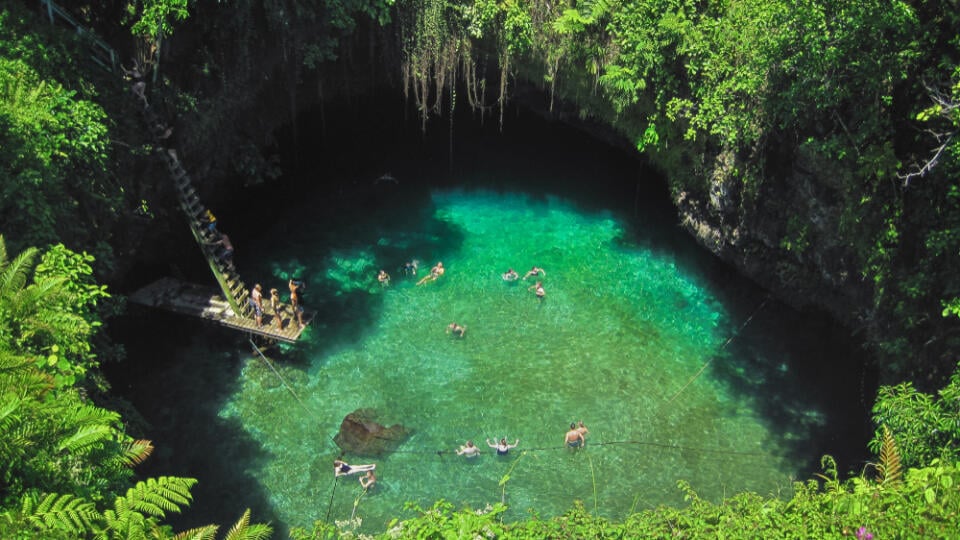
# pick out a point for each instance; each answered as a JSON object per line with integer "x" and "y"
{"x": 256, "y": 301}
{"x": 275, "y": 306}
{"x": 295, "y": 301}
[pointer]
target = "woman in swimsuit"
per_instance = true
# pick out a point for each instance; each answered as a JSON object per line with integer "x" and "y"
{"x": 538, "y": 290}
{"x": 510, "y": 275}
{"x": 341, "y": 468}
{"x": 275, "y": 306}
{"x": 502, "y": 446}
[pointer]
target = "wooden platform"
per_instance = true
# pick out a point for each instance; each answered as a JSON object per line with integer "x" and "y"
{"x": 205, "y": 302}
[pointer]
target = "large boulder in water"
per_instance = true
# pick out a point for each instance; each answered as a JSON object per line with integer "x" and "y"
{"x": 361, "y": 434}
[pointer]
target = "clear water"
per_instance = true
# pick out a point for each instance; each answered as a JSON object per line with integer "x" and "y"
{"x": 633, "y": 338}
{"x": 621, "y": 332}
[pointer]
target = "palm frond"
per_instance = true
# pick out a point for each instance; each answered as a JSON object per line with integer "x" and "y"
{"x": 890, "y": 470}
{"x": 60, "y": 512}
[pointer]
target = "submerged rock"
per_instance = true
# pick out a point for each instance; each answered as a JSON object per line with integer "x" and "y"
{"x": 361, "y": 434}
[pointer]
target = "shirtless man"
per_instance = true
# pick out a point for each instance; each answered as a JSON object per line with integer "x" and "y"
{"x": 384, "y": 278}
{"x": 456, "y": 329}
{"x": 256, "y": 301}
{"x": 510, "y": 275}
{"x": 435, "y": 273}
{"x": 469, "y": 450}
{"x": 368, "y": 480}
{"x": 574, "y": 438}
{"x": 535, "y": 272}
{"x": 295, "y": 286}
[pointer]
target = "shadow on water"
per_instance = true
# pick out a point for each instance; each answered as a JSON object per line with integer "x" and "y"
{"x": 178, "y": 378}
{"x": 336, "y": 207}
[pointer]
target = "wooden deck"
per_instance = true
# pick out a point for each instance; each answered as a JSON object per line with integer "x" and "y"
{"x": 205, "y": 302}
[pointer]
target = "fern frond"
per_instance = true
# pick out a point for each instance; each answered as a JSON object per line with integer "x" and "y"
{"x": 157, "y": 496}
{"x": 86, "y": 437}
{"x": 207, "y": 532}
{"x": 65, "y": 512}
{"x": 890, "y": 470}
{"x": 239, "y": 527}
{"x": 136, "y": 452}
{"x": 14, "y": 274}
{"x": 243, "y": 530}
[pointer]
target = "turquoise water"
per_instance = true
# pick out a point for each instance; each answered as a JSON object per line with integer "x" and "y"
{"x": 619, "y": 342}
{"x": 634, "y": 338}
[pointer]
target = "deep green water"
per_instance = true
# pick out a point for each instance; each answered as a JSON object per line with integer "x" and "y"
{"x": 680, "y": 369}
{"x": 621, "y": 331}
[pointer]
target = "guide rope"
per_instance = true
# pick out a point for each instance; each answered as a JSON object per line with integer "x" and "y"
{"x": 722, "y": 347}
{"x": 282, "y": 380}
{"x": 705, "y": 450}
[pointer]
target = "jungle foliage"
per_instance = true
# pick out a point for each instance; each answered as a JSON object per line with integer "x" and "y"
{"x": 66, "y": 463}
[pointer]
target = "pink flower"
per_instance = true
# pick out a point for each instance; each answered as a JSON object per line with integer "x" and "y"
{"x": 864, "y": 534}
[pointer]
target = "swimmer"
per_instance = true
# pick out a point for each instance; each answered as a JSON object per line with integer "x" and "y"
{"x": 535, "y": 272}
{"x": 368, "y": 480}
{"x": 538, "y": 289}
{"x": 410, "y": 268}
{"x": 456, "y": 329}
{"x": 574, "y": 438}
{"x": 384, "y": 278}
{"x": 435, "y": 273}
{"x": 469, "y": 450}
{"x": 511, "y": 275}
{"x": 582, "y": 429}
{"x": 502, "y": 446}
{"x": 341, "y": 468}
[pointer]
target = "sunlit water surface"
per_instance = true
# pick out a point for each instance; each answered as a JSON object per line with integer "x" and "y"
{"x": 681, "y": 369}
{"x": 619, "y": 342}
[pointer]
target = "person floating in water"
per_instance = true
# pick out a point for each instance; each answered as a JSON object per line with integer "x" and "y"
{"x": 535, "y": 272}
{"x": 384, "y": 278}
{"x": 502, "y": 446}
{"x": 368, "y": 480}
{"x": 456, "y": 329}
{"x": 342, "y": 468}
{"x": 574, "y": 438}
{"x": 469, "y": 450}
{"x": 538, "y": 289}
{"x": 435, "y": 273}
{"x": 511, "y": 275}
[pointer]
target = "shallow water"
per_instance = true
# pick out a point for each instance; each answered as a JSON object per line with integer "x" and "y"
{"x": 680, "y": 369}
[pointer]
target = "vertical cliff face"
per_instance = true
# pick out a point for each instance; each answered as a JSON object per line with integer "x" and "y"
{"x": 799, "y": 194}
